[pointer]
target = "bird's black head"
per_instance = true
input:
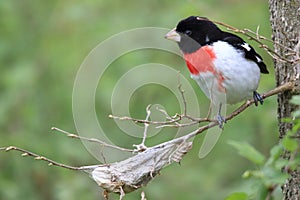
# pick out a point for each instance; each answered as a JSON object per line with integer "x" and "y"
{"x": 195, "y": 32}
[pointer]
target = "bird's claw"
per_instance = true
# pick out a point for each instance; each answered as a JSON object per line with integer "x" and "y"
{"x": 257, "y": 98}
{"x": 221, "y": 120}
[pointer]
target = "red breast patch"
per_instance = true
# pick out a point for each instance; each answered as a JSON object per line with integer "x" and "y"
{"x": 201, "y": 60}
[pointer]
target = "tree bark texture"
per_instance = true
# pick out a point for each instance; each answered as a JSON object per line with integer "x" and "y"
{"x": 285, "y": 21}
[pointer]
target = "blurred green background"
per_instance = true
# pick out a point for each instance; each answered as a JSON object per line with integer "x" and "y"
{"x": 43, "y": 44}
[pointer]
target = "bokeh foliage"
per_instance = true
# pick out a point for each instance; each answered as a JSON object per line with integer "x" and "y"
{"x": 42, "y": 46}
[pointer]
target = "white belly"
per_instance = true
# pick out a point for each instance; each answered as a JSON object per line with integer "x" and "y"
{"x": 241, "y": 77}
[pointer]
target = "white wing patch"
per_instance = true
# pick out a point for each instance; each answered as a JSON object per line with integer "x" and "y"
{"x": 258, "y": 59}
{"x": 207, "y": 38}
{"x": 246, "y": 46}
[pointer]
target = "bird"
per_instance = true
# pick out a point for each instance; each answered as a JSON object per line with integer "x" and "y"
{"x": 226, "y": 68}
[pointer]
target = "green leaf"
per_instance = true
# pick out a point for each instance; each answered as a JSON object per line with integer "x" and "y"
{"x": 295, "y": 100}
{"x": 276, "y": 151}
{"x": 287, "y": 120}
{"x": 273, "y": 176}
{"x": 262, "y": 192}
{"x": 293, "y": 164}
{"x": 237, "y": 196}
{"x": 249, "y": 152}
{"x": 253, "y": 173}
{"x": 275, "y": 154}
{"x": 289, "y": 144}
{"x": 277, "y": 179}
{"x": 296, "y": 126}
{"x": 280, "y": 163}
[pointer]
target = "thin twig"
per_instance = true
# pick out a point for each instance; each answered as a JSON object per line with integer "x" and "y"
{"x": 170, "y": 123}
{"x": 279, "y": 89}
{"x": 39, "y": 157}
{"x": 177, "y": 125}
{"x": 142, "y": 121}
{"x": 182, "y": 96}
{"x": 122, "y": 193}
{"x": 71, "y": 135}
{"x": 257, "y": 38}
{"x": 146, "y": 124}
{"x": 174, "y": 123}
{"x": 176, "y": 118}
{"x": 260, "y": 37}
{"x": 102, "y": 154}
{"x": 143, "y": 196}
{"x": 142, "y": 147}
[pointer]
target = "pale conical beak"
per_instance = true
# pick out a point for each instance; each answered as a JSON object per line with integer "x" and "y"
{"x": 173, "y": 35}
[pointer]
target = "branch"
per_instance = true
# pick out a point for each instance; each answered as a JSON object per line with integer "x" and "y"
{"x": 71, "y": 135}
{"x": 135, "y": 172}
{"x": 179, "y": 117}
{"x": 277, "y": 90}
{"x": 257, "y": 38}
{"x": 38, "y": 157}
{"x": 142, "y": 147}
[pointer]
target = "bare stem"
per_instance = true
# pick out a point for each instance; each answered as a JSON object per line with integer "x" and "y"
{"x": 39, "y": 157}
{"x": 175, "y": 123}
{"x": 279, "y": 89}
{"x": 183, "y": 97}
{"x": 146, "y": 125}
{"x": 71, "y": 135}
{"x": 257, "y": 38}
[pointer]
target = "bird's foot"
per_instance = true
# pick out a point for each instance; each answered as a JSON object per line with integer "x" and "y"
{"x": 257, "y": 98}
{"x": 221, "y": 120}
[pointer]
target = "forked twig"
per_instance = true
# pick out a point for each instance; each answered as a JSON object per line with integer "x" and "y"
{"x": 142, "y": 147}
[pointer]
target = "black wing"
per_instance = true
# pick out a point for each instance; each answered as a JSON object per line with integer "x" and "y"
{"x": 250, "y": 53}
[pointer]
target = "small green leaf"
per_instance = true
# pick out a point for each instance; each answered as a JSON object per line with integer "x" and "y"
{"x": 247, "y": 174}
{"x": 237, "y": 196}
{"x": 253, "y": 173}
{"x": 276, "y": 151}
{"x": 289, "y": 144}
{"x": 296, "y": 126}
{"x": 249, "y": 152}
{"x": 280, "y": 163}
{"x": 273, "y": 176}
{"x": 293, "y": 164}
{"x": 287, "y": 120}
{"x": 275, "y": 154}
{"x": 279, "y": 179}
{"x": 295, "y": 100}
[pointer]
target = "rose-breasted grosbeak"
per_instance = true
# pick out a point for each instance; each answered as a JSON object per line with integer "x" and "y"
{"x": 226, "y": 68}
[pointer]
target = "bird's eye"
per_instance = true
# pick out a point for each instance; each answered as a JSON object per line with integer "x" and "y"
{"x": 188, "y": 32}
